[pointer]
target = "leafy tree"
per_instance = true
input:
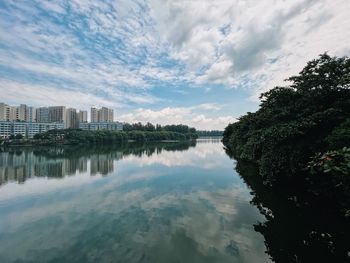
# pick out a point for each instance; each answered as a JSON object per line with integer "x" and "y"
{"x": 299, "y": 141}
{"x": 19, "y": 136}
{"x": 294, "y": 122}
{"x": 77, "y": 136}
{"x": 149, "y": 127}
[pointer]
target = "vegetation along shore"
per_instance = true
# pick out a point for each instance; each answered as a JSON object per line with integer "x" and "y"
{"x": 299, "y": 142}
{"x": 135, "y": 132}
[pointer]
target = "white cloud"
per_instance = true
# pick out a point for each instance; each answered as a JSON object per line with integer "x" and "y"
{"x": 290, "y": 32}
{"x": 39, "y": 95}
{"x": 118, "y": 52}
{"x": 204, "y": 153}
{"x": 192, "y": 116}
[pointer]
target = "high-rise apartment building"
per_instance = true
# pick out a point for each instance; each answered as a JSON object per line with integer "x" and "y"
{"x": 72, "y": 120}
{"x": 82, "y": 116}
{"x": 27, "y": 120}
{"x": 94, "y": 115}
{"x": 21, "y": 112}
{"x": 102, "y": 115}
{"x": 57, "y": 114}
{"x": 30, "y": 114}
{"x": 42, "y": 114}
{"x": 12, "y": 113}
{"x": 7, "y": 113}
{"x": 105, "y": 115}
{"x": 111, "y": 115}
{"x": 4, "y": 109}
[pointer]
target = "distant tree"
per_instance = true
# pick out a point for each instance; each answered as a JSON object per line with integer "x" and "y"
{"x": 19, "y": 136}
{"x": 210, "y": 133}
{"x": 149, "y": 127}
{"x": 127, "y": 127}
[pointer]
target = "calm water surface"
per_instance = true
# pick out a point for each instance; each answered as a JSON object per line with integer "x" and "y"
{"x": 170, "y": 202}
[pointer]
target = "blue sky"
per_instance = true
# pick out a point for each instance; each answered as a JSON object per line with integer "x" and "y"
{"x": 201, "y": 63}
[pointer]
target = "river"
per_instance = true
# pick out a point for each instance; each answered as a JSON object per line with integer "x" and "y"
{"x": 165, "y": 202}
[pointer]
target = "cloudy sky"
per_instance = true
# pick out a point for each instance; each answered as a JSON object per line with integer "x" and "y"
{"x": 201, "y": 63}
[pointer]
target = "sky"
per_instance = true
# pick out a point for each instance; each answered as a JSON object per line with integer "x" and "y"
{"x": 195, "y": 62}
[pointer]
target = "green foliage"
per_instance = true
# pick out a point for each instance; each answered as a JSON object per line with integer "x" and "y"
{"x": 299, "y": 142}
{"x": 332, "y": 162}
{"x": 210, "y": 133}
{"x": 77, "y": 136}
{"x": 149, "y": 127}
{"x": 18, "y": 136}
{"x": 293, "y": 123}
{"x": 317, "y": 210}
{"x": 340, "y": 136}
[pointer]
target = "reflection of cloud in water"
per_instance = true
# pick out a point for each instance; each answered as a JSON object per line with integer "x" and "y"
{"x": 213, "y": 220}
{"x": 147, "y": 214}
{"x": 211, "y": 153}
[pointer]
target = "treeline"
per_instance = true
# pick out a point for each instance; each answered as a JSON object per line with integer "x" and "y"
{"x": 210, "y": 133}
{"x": 302, "y": 131}
{"x": 179, "y": 128}
{"x": 77, "y": 136}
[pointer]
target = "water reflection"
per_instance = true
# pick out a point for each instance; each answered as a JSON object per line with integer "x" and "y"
{"x": 20, "y": 164}
{"x": 159, "y": 203}
{"x": 300, "y": 226}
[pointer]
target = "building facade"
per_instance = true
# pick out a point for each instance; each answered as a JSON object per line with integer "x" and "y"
{"x": 57, "y": 114}
{"x": 21, "y": 112}
{"x": 102, "y": 115}
{"x": 96, "y": 126}
{"x": 72, "y": 121}
{"x": 26, "y": 129}
{"x": 5, "y": 129}
{"x": 105, "y": 115}
{"x": 42, "y": 114}
{"x": 7, "y": 112}
{"x": 28, "y": 120}
{"x": 82, "y": 116}
{"x": 94, "y": 114}
{"x": 3, "y": 111}
{"x": 30, "y": 114}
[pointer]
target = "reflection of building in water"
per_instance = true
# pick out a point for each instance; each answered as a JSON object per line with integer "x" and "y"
{"x": 102, "y": 164}
{"x": 22, "y": 165}
{"x": 70, "y": 166}
{"x": 58, "y": 162}
{"x": 12, "y": 166}
{"x": 49, "y": 169}
{"x": 83, "y": 165}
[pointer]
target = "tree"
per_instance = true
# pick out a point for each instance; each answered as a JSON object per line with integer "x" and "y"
{"x": 149, "y": 127}
{"x": 310, "y": 115}
{"x": 19, "y": 136}
{"x": 299, "y": 140}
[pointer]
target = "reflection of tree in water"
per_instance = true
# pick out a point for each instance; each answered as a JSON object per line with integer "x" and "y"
{"x": 20, "y": 164}
{"x": 299, "y": 227}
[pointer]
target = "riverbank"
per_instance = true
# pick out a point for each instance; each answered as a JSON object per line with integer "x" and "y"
{"x": 73, "y": 137}
{"x": 294, "y": 153}
{"x": 301, "y": 134}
